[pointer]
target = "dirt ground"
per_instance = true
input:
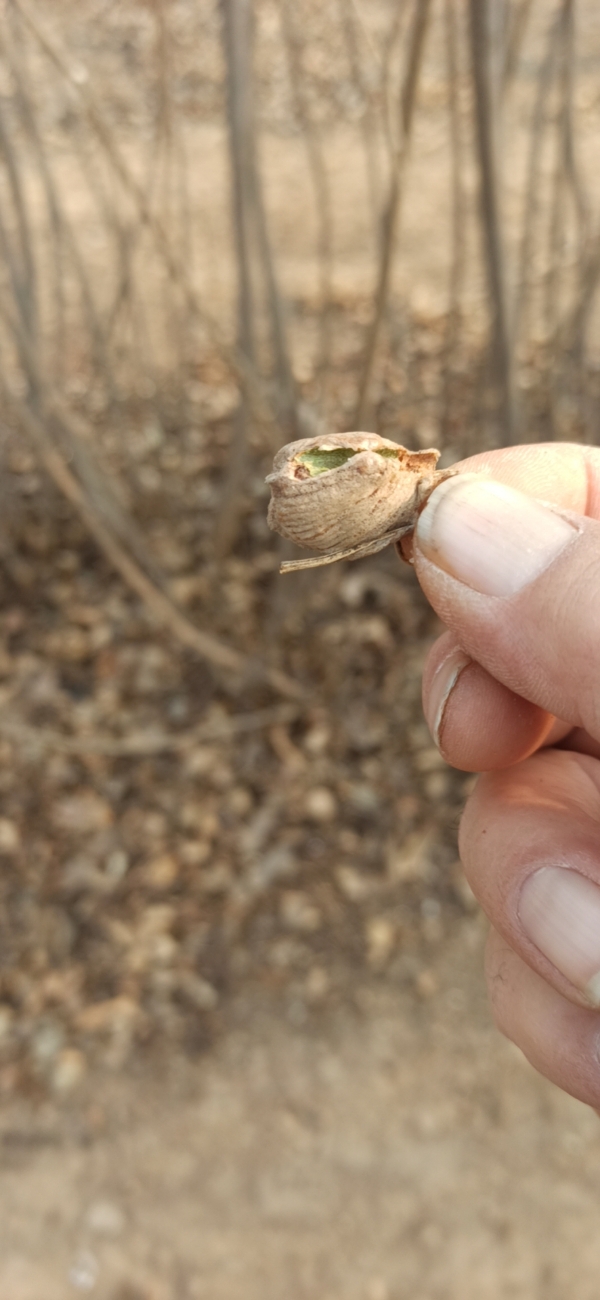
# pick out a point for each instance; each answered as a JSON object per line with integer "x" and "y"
{"x": 245, "y": 1050}
{"x": 395, "y": 1150}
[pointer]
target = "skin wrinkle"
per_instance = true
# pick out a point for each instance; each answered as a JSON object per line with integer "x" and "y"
{"x": 448, "y": 593}
{"x": 501, "y": 849}
{"x": 590, "y": 718}
{"x": 579, "y": 741}
{"x": 579, "y": 765}
{"x": 595, "y": 1037}
{"x": 542, "y": 471}
{"x": 576, "y": 781}
{"x": 560, "y": 1041}
{"x": 499, "y": 968}
{"x": 509, "y": 658}
{"x": 485, "y": 726}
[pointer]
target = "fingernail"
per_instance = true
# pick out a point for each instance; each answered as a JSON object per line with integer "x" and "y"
{"x": 560, "y": 911}
{"x": 489, "y": 536}
{"x": 441, "y": 688}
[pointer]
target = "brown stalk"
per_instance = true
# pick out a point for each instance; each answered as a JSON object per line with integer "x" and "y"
{"x": 567, "y": 184}
{"x": 580, "y": 198}
{"x": 64, "y": 234}
{"x": 556, "y": 207}
{"x": 286, "y": 388}
{"x": 25, "y": 259}
{"x": 318, "y": 170}
{"x": 368, "y": 120}
{"x": 237, "y": 20}
{"x": 140, "y": 743}
{"x": 568, "y": 179}
{"x": 13, "y": 53}
{"x": 253, "y": 248}
{"x": 390, "y": 219}
{"x": 532, "y": 185}
{"x": 516, "y": 35}
{"x": 9, "y": 261}
{"x": 458, "y": 201}
{"x": 486, "y": 103}
{"x": 257, "y": 213}
{"x": 162, "y": 179}
{"x": 393, "y": 37}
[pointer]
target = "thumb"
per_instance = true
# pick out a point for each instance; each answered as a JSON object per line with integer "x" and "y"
{"x": 517, "y": 582}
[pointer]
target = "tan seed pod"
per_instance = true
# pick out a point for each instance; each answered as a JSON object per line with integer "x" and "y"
{"x": 348, "y": 494}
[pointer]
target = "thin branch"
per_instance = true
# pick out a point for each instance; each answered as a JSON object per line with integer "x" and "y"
{"x": 572, "y": 172}
{"x": 485, "y": 131}
{"x": 532, "y": 185}
{"x": 391, "y": 41}
{"x": 234, "y": 358}
{"x": 390, "y": 221}
{"x": 26, "y": 262}
{"x": 318, "y": 170}
{"x": 458, "y": 201}
{"x": 67, "y": 430}
{"x": 63, "y": 231}
{"x": 237, "y": 23}
{"x": 516, "y": 36}
{"x": 156, "y": 601}
{"x": 138, "y": 744}
{"x": 368, "y": 122}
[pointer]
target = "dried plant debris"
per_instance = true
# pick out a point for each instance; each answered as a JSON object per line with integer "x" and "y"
{"x": 348, "y": 495}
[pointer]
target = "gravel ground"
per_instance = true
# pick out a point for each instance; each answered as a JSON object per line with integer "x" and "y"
{"x": 393, "y": 1149}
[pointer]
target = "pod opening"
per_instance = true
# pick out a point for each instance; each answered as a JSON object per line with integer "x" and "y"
{"x": 319, "y": 460}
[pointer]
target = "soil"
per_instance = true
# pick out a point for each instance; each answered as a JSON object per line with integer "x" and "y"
{"x": 391, "y": 1150}
{"x": 244, "y": 1044}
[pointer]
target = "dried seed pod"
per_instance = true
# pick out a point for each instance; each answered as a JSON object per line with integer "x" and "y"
{"x": 348, "y": 494}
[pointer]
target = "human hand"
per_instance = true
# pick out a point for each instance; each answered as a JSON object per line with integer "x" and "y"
{"x": 512, "y": 689}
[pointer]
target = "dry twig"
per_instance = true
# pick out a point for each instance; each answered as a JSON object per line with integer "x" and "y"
{"x": 156, "y": 601}
{"x": 236, "y": 361}
{"x": 485, "y": 131}
{"x": 390, "y": 221}
{"x": 139, "y": 744}
{"x": 318, "y": 171}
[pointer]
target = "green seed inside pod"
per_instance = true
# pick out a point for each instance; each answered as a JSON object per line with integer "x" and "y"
{"x": 319, "y": 460}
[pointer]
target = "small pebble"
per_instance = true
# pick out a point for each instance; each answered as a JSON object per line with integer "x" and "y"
{"x": 10, "y": 839}
{"x": 105, "y": 1218}
{"x": 320, "y": 805}
{"x": 380, "y": 936}
{"x": 69, "y": 1070}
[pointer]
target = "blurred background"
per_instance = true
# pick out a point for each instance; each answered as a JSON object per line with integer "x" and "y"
{"x": 244, "y": 1045}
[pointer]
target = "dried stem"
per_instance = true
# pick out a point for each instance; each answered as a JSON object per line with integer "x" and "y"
{"x": 24, "y": 261}
{"x": 516, "y": 35}
{"x": 532, "y": 186}
{"x": 318, "y": 170}
{"x": 237, "y": 18}
{"x": 368, "y": 120}
{"x": 234, "y": 358}
{"x": 65, "y": 238}
{"x": 486, "y": 142}
{"x": 144, "y": 743}
{"x": 156, "y": 601}
{"x": 390, "y": 220}
{"x": 391, "y": 42}
{"x": 458, "y": 202}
